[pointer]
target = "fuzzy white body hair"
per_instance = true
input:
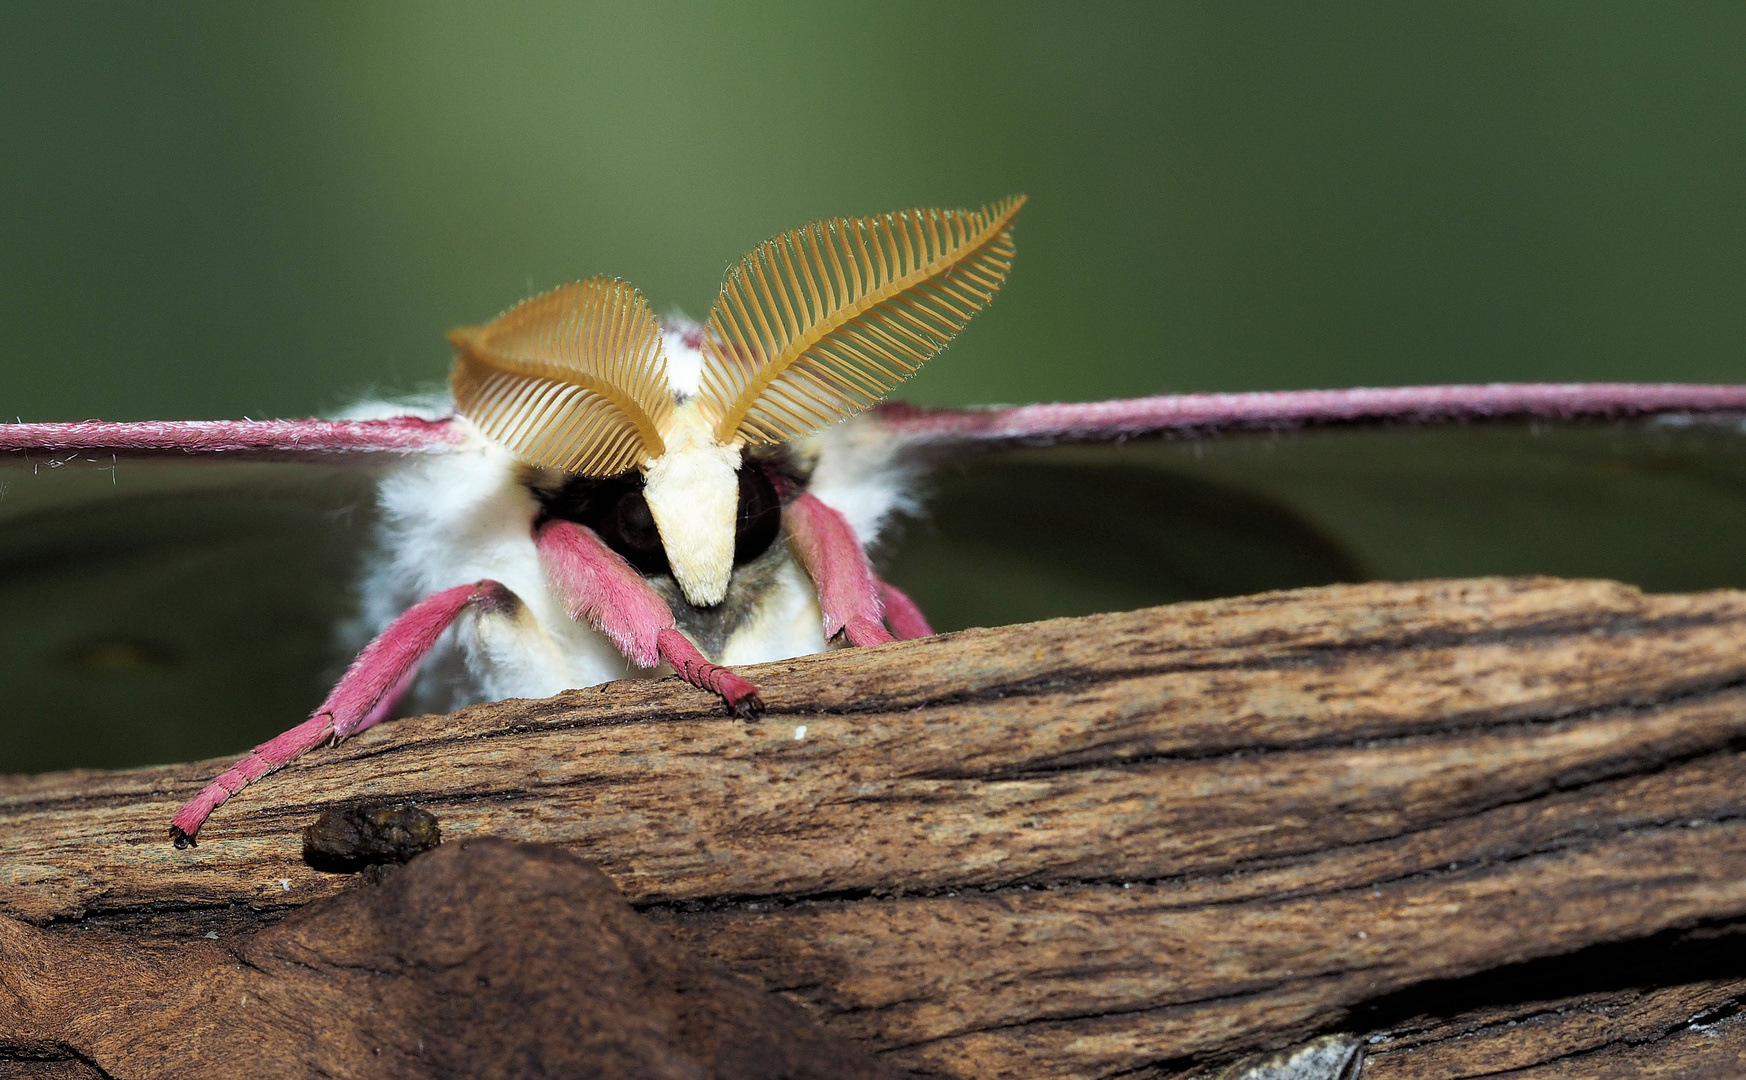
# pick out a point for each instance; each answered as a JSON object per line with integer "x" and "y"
{"x": 684, "y": 357}
{"x": 455, "y": 518}
{"x": 859, "y": 473}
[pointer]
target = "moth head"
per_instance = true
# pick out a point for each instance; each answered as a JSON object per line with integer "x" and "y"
{"x": 811, "y": 327}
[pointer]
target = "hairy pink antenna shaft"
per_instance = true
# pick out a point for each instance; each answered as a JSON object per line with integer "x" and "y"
{"x": 600, "y": 588}
{"x": 901, "y": 614}
{"x": 363, "y": 697}
{"x": 848, "y": 593}
{"x": 1206, "y": 414}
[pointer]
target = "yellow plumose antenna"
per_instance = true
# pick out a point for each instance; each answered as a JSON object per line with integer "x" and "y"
{"x": 817, "y": 324}
{"x": 573, "y": 379}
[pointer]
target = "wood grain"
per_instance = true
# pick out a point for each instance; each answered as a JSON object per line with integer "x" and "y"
{"x": 1142, "y": 843}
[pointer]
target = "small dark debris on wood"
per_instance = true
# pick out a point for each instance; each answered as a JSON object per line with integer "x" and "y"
{"x": 351, "y": 836}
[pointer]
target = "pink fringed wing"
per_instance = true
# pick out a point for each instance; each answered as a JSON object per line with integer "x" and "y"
{"x": 1202, "y": 415}
{"x": 178, "y": 576}
{"x": 237, "y": 440}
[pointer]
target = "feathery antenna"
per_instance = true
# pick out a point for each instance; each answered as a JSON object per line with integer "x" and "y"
{"x": 573, "y": 379}
{"x": 817, "y": 324}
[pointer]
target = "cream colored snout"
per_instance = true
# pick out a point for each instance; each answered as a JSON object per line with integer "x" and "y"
{"x": 693, "y": 491}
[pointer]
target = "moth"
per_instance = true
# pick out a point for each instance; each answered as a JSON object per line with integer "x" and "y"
{"x": 605, "y": 494}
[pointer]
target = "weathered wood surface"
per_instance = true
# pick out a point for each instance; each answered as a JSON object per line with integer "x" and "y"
{"x": 482, "y": 960}
{"x": 1140, "y": 844}
{"x": 1680, "y": 1031}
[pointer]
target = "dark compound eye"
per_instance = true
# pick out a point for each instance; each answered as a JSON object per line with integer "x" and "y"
{"x": 615, "y": 508}
{"x": 759, "y": 518}
{"x": 629, "y": 529}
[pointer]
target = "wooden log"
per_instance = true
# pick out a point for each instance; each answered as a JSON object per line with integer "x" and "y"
{"x": 1687, "y": 1030}
{"x": 1144, "y": 843}
{"x": 483, "y": 960}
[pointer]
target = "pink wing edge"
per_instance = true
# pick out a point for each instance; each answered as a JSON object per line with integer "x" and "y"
{"x": 1202, "y": 415}
{"x": 1197, "y": 415}
{"x": 237, "y": 440}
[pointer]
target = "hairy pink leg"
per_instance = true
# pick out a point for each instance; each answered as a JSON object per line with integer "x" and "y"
{"x": 598, "y": 587}
{"x": 386, "y": 665}
{"x": 848, "y": 593}
{"x": 905, "y": 619}
{"x": 388, "y": 702}
{"x": 361, "y": 698}
{"x": 741, "y": 696}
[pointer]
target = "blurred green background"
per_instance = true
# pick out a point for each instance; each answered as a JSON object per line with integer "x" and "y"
{"x": 269, "y": 209}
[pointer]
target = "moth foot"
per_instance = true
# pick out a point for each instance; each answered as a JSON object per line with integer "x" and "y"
{"x": 182, "y": 840}
{"x": 748, "y": 708}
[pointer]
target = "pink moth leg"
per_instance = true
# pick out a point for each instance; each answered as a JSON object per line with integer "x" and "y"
{"x": 848, "y": 593}
{"x": 741, "y": 696}
{"x": 364, "y": 696}
{"x": 905, "y": 619}
{"x": 598, "y": 587}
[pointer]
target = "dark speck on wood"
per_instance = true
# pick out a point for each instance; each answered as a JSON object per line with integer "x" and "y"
{"x": 353, "y": 835}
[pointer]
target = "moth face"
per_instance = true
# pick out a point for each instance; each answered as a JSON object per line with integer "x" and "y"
{"x": 617, "y": 508}
{"x": 578, "y": 380}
